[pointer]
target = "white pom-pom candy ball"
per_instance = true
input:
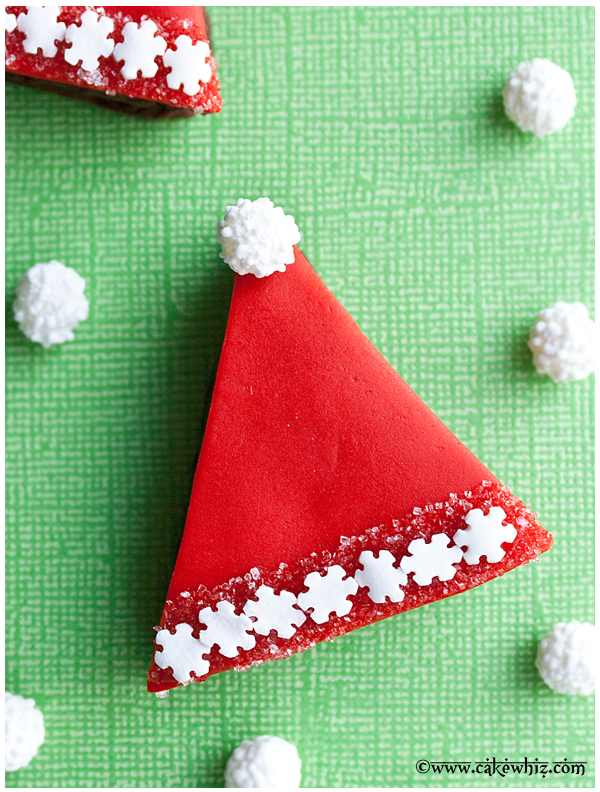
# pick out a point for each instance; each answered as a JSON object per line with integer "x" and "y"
{"x": 539, "y": 97}
{"x": 257, "y": 237}
{"x": 263, "y": 763}
{"x": 24, "y": 731}
{"x": 566, "y": 658}
{"x": 50, "y": 303}
{"x": 563, "y": 342}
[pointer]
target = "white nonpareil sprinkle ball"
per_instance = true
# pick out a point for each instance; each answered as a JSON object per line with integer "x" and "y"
{"x": 563, "y": 342}
{"x": 24, "y": 731}
{"x": 539, "y": 97}
{"x": 566, "y": 658}
{"x": 50, "y": 303}
{"x": 263, "y": 763}
{"x": 257, "y": 237}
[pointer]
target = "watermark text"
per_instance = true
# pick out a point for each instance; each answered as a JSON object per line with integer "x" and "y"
{"x": 503, "y": 768}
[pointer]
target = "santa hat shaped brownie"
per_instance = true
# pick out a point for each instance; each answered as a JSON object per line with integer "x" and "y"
{"x": 327, "y": 495}
{"x": 149, "y": 60}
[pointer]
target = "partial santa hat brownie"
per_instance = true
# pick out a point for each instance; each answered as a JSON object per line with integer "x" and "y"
{"x": 327, "y": 495}
{"x": 154, "y": 61}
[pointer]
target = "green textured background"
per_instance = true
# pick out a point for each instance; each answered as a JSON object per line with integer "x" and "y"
{"x": 443, "y": 230}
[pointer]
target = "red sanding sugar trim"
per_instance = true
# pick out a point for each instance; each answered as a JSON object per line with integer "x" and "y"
{"x": 448, "y": 517}
{"x": 171, "y": 22}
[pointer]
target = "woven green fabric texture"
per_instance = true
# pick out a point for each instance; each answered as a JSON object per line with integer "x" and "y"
{"x": 444, "y": 230}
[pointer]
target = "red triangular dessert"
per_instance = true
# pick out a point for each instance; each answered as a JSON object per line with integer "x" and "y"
{"x": 153, "y": 61}
{"x": 318, "y": 458}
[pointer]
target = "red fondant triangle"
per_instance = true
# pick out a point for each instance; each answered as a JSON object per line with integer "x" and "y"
{"x": 313, "y": 440}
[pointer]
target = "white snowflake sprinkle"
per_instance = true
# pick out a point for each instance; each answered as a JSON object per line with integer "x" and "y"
{"x": 274, "y": 612}
{"x": 431, "y": 560}
{"x": 188, "y": 64}
{"x": 89, "y": 40}
{"x": 139, "y": 49}
{"x": 327, "y": 594}
{"x": 380, "y": 576}
{"x": 10, "y": 22}
{"x": 41, "y": 29}
{"x": 485, "y": 535}
{"x": 182, "y": 653}
{"x": 226, "y": 629}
